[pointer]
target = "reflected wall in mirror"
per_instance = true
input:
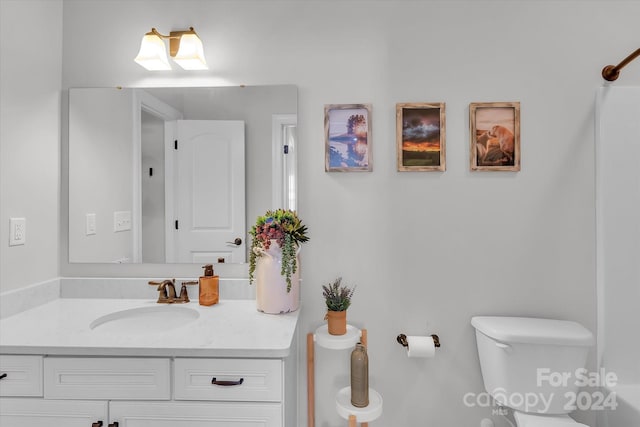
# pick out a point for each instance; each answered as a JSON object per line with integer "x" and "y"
{"x": 161, "y": 175}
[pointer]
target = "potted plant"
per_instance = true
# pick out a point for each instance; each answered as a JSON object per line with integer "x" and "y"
{"x": 338, "y": 299}
{"x": 273, "y": 262}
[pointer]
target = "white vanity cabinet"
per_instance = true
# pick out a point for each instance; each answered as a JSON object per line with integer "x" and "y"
{"x": 144, "y": 391}
{"x": 62, "y": 372}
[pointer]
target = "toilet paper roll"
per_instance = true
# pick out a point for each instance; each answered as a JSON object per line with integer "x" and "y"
{"x": 421, "y": 347}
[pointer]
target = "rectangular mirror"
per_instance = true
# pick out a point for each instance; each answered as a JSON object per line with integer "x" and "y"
{"x": 163, "y": 175}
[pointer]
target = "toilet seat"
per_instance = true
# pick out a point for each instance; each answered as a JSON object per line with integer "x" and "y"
{"x": 538, "y": 420}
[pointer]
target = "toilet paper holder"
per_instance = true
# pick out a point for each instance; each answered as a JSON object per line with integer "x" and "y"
{"x": 402, "y": 340}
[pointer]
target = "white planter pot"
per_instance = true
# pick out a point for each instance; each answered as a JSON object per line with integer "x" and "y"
{"x": 271, "y": 286}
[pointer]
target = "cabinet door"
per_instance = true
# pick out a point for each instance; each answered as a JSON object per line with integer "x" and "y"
{"x": 22, "y": 412}
{"x": 195, "y": 414}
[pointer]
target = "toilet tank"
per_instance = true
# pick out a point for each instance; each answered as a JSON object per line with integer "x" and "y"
{"x": 532, "y": 365}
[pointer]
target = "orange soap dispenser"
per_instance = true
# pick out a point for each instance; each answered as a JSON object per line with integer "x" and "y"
{"x": 209, "y": 286}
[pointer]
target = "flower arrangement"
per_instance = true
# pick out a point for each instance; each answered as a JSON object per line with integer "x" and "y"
{"x": 337, "y": 296}
{"x": 283, "y": 227}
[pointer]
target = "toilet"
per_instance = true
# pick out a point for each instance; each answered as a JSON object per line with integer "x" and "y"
{"x": 533, "y": 366}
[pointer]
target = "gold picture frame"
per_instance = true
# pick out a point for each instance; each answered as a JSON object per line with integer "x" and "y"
{"x": 494, "y": 133}
{"x": 421, "y": 136}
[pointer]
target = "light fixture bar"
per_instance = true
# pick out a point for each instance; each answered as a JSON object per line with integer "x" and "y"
{"x": 185, "y": 48}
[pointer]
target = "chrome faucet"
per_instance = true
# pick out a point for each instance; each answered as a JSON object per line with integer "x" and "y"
{"x": 167, "y": 291}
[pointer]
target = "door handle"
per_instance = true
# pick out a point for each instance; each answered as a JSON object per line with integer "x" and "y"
{"x": 237, "y": 241}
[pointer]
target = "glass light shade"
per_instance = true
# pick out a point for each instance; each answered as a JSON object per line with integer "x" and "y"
{"x": 153, "y": 53}
{"x": 190, "y": 55}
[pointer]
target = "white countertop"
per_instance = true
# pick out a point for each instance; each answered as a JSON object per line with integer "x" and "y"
{"x": 231, "y": 328}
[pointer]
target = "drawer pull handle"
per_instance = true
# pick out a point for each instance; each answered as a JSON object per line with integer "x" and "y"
{"x": 114, "y": 424}
{"x": 97, "y": 424}
{"x": 226, "y": 383}
{"x": 3, "y": 376}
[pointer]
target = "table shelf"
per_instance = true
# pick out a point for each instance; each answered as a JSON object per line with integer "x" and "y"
{"x": 362, "y": 415}
{"x": 337, "y": 342}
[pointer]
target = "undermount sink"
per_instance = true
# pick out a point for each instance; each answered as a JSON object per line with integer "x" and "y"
{"x": 145, "y": 320}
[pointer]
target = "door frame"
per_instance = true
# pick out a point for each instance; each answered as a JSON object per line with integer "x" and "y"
{"x": 143, "y": 101}
{"x": 281, "y": 169}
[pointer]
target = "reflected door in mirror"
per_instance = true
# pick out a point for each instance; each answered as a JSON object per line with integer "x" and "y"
{"x": 207, "y": 191}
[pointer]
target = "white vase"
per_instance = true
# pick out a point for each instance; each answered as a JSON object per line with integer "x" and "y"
{"x": 271, "y": 286}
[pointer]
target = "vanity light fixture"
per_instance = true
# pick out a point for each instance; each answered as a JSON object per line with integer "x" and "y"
{"x": 185, "y": 47}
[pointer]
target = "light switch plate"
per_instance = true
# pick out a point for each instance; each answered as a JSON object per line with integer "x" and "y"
{"x": 17, "y": 231}
{"x": 90, "y": 224}
{"x": 121, "y": 221}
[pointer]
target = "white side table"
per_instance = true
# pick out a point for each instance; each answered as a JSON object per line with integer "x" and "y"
{"x": 322, "y": 337}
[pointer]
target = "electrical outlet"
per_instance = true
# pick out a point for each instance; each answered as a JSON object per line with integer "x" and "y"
{"x": 17, "y": 231}
{"x": 121, "y": 221}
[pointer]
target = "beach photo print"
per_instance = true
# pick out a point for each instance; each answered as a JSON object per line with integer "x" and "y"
{"x": 347, "y": 129}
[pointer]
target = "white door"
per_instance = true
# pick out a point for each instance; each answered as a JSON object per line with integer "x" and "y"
{"x": 208, "y": 198}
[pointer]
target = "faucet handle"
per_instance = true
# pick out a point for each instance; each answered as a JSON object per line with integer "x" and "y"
{"x": 158, "y": 283}
{"x": 184, "y": 296}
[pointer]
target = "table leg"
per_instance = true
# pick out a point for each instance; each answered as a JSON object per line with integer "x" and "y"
{"x": 310, "y": 381}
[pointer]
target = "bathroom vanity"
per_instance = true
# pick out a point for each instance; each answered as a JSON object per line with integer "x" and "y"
{"x": 134, "y": 363}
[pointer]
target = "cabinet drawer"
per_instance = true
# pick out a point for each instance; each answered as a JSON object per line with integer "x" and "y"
{"x": 196, "y": 414}
{"x": 261, "y": 379}
{"x": 107, "y": 378}
{"x": 29, "y": 412}
{"x": 24, "y": 375}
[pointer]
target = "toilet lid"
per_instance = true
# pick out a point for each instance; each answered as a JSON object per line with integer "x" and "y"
{"x": 531, "y": 420}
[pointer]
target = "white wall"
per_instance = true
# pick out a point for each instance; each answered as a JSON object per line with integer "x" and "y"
{"x": 30, "y": 76}
{"x": 101, "y": 172}
{"x": 426, "y": 250}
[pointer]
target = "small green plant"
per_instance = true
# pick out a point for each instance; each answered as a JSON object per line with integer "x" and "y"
{"x": 337, "y": 296}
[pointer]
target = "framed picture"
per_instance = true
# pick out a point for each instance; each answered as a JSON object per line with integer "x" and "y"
{"x": 495, "y": 136}
{"x": 347, "y": 130}
{"x": 420, "y": 137}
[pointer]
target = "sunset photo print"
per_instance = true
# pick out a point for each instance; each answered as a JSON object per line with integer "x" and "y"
{"x": 420, "y": 136}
